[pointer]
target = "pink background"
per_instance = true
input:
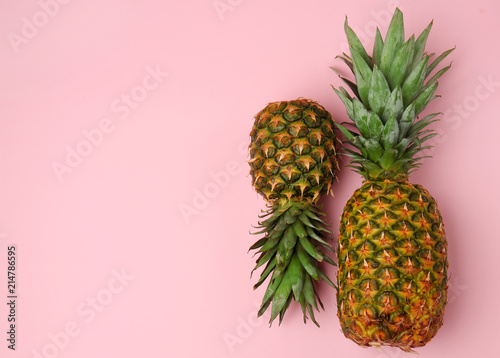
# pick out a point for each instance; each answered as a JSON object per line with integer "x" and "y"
{"x": 134, "y": 242}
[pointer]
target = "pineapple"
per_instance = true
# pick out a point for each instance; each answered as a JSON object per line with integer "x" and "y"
{"x": 293, "y": 163}
{"x": 392, "y": 274}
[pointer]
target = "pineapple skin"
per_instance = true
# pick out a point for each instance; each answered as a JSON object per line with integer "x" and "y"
{"x": 292, "y": 151}
{"x": 392, "y": 277}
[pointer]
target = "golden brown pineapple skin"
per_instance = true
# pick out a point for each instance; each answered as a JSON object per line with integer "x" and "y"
{"x": 293, "y": 151}
{"x": 393, "y": 265}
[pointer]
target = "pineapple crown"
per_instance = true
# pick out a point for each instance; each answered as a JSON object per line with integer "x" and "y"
{"x": 391, "y": 89}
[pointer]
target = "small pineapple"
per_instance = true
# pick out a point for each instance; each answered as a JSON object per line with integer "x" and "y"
{"x": 293, "y": 163}
{"x": 392, "y": 277}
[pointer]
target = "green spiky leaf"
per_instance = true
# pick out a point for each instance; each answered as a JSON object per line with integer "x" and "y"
{"x": 407, "y": 120}
{"x": 420, "y": 47}
{"x": 375, "y": 125}
{"x": 438, "y": 60}
{"x": 361, "y": 115}
{"x": 307, "y": 262}
{"x": 297, "y": 275}
{"x": 393, "y": 41}
{"x": 414, "y": 81}
{"x": 346, "y": 100}
{"x": 421, "y": 124}
{"x": 389, "y": 157}
{"x": 354, "y": 43}
{"x": 379, "y": 91}
{"x": 269, "y": 268}
{"x": 378, "y": 47}
{"x": 402, "y": 61}
{"x": 394, "y": 105}
{"x": 424, "y": 98}
{"x": 375, "y": 150}
{"x": 281, "y": 295}
{"x": 362, "y": 74}
{"x": 390, "y": 134}
{"x": 347, "y": 133}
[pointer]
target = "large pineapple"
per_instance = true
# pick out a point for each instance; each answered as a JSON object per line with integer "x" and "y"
{"x": 293, "y": 162}
{"x": 392, "y": 278}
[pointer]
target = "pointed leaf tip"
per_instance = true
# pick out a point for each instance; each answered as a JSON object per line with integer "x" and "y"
{"x": 393, "y": 41}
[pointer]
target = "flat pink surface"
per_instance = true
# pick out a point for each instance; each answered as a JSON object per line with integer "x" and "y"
{"x": 124, "y": 186}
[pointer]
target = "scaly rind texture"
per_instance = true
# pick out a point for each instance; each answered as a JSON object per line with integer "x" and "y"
{"x": 294, "y": 244}
{"x": 392, "y": 278}
{"x": 292, "y": 152}
{"x": 390, "y": 89}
